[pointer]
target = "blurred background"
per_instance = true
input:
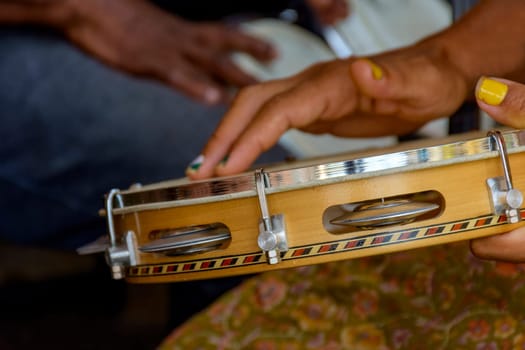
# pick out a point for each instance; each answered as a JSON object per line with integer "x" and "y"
{"x": 54, "y": 298}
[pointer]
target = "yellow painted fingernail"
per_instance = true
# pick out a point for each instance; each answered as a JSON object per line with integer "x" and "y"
{"x": 377, "y": 72}
{"x": 491, "y": 91}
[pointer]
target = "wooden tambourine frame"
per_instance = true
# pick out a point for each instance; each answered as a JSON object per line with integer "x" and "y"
{"x": 299, "y": 214}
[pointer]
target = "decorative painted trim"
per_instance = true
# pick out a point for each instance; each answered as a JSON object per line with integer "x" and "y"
{"x": 331, "y": 247}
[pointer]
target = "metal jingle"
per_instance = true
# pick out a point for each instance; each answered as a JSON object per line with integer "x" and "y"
{"x": 384, "y": 213}
{"x": 179, "y": 231}
{"x": 194, "y": 249}
{"x": 188, "y": 240}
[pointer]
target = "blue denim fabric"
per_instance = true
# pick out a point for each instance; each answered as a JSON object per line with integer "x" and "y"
{"x": 73, "y": 128}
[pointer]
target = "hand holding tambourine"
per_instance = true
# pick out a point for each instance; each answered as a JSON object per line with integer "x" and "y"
{"x": 501, "y": 99}
{"x": 504, "y": 101}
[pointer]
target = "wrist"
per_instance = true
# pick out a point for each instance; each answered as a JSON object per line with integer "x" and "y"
{"x": 487, "y": 41}
{"x": 444, "y": 53}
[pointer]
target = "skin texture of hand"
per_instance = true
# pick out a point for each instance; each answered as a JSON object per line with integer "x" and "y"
{"x": 330, "y": 11}
{"x": 139, "y": 38}
{"x": 353, "y": 98}
{"x": 391, "y": 93}
{"x": 503, "y": 100}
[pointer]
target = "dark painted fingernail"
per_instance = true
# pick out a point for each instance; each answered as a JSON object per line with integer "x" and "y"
{"x": 195, "y": 165}
{"x": 224, "y": 160}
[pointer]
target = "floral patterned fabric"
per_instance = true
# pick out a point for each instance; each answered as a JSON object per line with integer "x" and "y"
{"x": 430, "y": 298}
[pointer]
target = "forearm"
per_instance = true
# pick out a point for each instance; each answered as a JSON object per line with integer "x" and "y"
{"x": 40, "y": 12}
{"x": 488, "y": 41}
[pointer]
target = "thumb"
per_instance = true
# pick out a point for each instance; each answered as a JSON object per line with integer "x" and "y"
{"x": 505, "y": 247}
{"x": 418, "y": 80}
{"x": 400, "y": 83}
{"x": 370, "y": 78}
{"x": 389, "y": 78}
{"x": 409, "y": 88}
{"x": 503, "y": 100}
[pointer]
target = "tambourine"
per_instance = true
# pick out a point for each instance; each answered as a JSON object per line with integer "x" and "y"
{"x": 296, "y": 214}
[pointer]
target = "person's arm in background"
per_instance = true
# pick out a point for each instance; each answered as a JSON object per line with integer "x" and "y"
{"x": 41, "y": 12}
{"x": 140, "y": 38}
{"x": 391, "y": 93}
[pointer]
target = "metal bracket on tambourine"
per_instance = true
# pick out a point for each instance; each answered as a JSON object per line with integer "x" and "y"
{"x": 272, "y": 233}
{"x": 505, "y": 199}
{"x": 119, "y": 255}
